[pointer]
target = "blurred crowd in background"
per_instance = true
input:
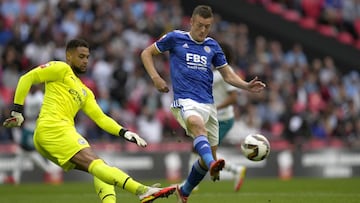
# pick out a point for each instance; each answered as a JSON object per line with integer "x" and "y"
{"x": 307, "y": 98}
{"x": 336, "y": 18}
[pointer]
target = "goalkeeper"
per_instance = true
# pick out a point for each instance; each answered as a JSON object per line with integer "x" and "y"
{"x": 55, "y": 135}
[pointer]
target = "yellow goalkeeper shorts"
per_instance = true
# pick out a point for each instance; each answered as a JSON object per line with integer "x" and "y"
{"x": 58, "y": 143}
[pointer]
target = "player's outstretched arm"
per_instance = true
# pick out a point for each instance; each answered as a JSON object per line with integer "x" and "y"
{"x": 147, "y": 59}
{"x": 255, "y": 85}
{"x": 132, "y": 137}
{"x": 51, "y": 71}
{"x": 23, "y": 87}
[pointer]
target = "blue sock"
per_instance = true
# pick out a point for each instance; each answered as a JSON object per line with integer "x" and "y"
{"x": 196, "y": 175}
{"x": 202, "y": 147}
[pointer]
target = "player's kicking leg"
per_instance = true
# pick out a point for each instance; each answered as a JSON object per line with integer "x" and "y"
{"x": 215, "y": 169}
{"x": 116, "y": 177}
{"x": 180, "y": 197}
{"x": 153, "y": 193}
{"x": 192, "y": 159}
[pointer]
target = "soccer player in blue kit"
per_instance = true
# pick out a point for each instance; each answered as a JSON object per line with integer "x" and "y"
{"x": 192, "y": 56}
{"x": 225, "y": 97}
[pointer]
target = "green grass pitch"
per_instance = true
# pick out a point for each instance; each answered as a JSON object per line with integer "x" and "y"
{"x": 254, "y": 190}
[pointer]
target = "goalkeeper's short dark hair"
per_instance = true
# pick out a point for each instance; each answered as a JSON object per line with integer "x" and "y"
{"x": 75, "y": 43}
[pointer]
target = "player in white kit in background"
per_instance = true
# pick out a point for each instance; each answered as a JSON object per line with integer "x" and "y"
{"x": 24, "y": 138}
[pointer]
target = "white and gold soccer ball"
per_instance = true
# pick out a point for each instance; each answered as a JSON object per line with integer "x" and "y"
{"x": 255, "y": 147}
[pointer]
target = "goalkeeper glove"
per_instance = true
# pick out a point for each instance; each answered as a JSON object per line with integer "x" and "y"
{"x": 132, "y": 137}
{"x": 16, "y": 118}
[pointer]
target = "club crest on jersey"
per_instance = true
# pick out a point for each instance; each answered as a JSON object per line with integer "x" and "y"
{"x": 84, "y": 92}
{"x": 81, "y": 141}
{"x": 207, "y": 49}
{"x": 45, "y": 65}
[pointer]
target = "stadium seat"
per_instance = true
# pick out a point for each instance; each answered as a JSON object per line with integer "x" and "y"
{"x": 308, "y": 23}
{"x": 291, "y": 15}
{"x": 150, "y": 8}
{"x": 327, "y": 30}
{"x": 312, "y": 8}
{"x": 277, "y": 129}
{"x": 356, "y": 25}
{"x": 357, "y": 44}
{"x": 316, "y": 143}
{"x": 315, "y": 102}
{"x": 336, "y": 143}
{"x": 345, "y": 37}
{"x": 185, "y": 21}
{"x": 280, "y": 144}
{"x": 6, "y": 94}
{"x": 275, "y": 8}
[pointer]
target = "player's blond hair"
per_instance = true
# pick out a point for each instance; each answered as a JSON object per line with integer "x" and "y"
{"x": 203, "y": 11}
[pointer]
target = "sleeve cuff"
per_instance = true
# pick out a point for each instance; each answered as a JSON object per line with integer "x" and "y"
{"x": 18, "y": 108}
{"x": 122, "y": 132}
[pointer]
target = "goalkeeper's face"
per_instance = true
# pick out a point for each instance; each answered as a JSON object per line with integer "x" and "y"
{"x": 78, "y": 59}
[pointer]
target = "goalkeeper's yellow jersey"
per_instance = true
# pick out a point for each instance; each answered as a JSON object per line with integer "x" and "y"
{"x": 65, "y": 95}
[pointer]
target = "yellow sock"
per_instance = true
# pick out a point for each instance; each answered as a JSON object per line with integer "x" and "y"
{"x": 105, "y": 191}
{"x": 116, "y": 177}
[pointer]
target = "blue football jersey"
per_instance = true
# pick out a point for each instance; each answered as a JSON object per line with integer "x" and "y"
{"x": 191, "y": 64}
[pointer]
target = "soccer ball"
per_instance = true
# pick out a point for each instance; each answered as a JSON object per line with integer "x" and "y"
{"x": 255, "y": 147}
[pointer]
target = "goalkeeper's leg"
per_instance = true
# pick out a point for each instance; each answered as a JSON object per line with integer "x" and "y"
{"x": 105, "y": 191}
{"x": 87, "y": 160}
{"x": 116, "y": 177}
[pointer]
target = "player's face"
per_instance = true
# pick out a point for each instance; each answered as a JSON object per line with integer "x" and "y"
{"x": 200, "y": 27}
{"x": 78, "y": 59}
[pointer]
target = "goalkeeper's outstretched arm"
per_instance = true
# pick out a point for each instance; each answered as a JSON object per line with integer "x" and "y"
{"x": 23, "y": 87}
{"x": 48, "y": 72}
{"x": 93, "y": 110}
